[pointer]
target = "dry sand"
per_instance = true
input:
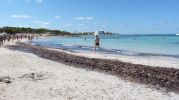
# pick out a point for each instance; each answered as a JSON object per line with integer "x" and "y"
{"x": 35, "y": 78}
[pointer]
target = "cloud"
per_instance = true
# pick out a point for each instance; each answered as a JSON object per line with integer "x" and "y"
{"x": 83, "y": 18}
{"x": 42, "y": 24}
{"x": 21, "y": 16}
{"x": 57, "y": 17}
{"x": 39, "y": 1}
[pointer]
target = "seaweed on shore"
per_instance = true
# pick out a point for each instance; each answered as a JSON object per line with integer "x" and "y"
{"x": 5, "y": 79}
{"x": 159, "y": 77}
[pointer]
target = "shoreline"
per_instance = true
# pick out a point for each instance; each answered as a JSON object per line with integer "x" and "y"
{"x": 161, "y": 60}
{"x": 159, "y": 77}
{"x": 85, "y": 46}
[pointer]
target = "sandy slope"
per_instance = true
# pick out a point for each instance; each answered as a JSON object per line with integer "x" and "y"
{"x": 56, "y": 81}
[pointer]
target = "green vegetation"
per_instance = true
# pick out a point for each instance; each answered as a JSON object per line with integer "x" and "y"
{"x": 40, "y": 31}
{"x": 13, "y": 30}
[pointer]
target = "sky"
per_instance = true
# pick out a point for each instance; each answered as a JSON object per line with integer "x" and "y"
{"x": 119, "y": 16}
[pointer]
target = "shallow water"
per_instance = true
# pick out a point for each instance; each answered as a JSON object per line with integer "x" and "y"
{"x": 164, "y": 45}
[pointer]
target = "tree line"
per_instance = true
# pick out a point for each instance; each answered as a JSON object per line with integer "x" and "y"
{"x": 14, "y": 30}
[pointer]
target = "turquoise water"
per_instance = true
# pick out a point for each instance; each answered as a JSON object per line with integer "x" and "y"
{"x": 166, "y": 45}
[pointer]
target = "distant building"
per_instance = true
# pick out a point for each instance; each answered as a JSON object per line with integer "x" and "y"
{"x": 99, "y": 33}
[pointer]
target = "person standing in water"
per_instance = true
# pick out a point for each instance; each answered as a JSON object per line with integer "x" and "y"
{"x": 97, "y": 40}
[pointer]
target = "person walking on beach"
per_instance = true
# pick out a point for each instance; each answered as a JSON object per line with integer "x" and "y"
{"x": 1, "y": 41}
{"x": 97, "y": 40}
{"x": 4, "y": 38}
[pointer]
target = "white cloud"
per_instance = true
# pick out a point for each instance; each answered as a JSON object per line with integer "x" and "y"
{"x": 42, "y": 24}
{"x": 83, "y": 18}
{"x": 57, "y": 17}
{"x": 39, "y": 1}
{"x": 21, "y": 16}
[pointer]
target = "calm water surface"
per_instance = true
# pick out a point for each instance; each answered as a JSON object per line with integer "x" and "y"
{"x": 165, "y": 45}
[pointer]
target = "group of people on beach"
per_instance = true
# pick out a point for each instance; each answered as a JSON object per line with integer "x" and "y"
{"x": 11, "y": 37}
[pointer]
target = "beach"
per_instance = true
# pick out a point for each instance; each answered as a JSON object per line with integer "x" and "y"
{"x": 89, "y": 50}
{"x": 28, "y": 76}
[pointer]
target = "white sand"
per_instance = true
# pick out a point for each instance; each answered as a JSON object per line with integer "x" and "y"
{"x": 63, "y": 82}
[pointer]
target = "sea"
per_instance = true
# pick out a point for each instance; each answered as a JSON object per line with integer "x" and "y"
{"x": 138, "y": 44}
